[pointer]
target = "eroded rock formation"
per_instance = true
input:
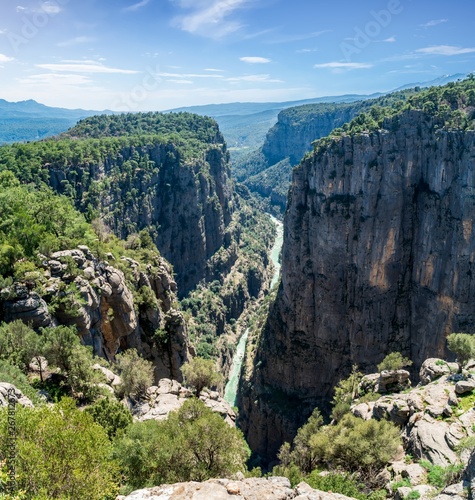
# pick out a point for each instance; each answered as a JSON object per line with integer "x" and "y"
{"x": 378, "y": 256}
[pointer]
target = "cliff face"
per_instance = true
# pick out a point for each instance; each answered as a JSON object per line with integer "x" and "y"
{"x": 186, "y": 205}
{"x": 96, "y": 297}
{"x": 378, "y": 256}
{"x": 293, "y": 138}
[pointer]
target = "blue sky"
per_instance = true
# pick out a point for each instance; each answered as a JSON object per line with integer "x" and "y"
{"x": 158, "y": 54}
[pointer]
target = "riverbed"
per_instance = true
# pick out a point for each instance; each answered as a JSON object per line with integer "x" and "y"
{"x": 230, "y": 392}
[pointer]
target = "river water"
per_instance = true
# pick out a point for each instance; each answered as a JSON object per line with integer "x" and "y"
{"x": 230, "y": 392}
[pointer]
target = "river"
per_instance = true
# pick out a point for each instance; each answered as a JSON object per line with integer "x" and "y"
{"x": 230, "y": 392}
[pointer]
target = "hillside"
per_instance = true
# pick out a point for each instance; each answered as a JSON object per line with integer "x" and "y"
{"x": 377, "y": 255}
{"x": 167, "y": 175}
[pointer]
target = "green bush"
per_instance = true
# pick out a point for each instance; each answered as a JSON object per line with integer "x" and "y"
{"x": 136, "y": 373}
{"x": 200, "y": 373}
{"x": 441, "y": 477}
{"x": 61, "y": 453}
{"x": 463, "y": 346}
{"x": 345, "y": 484}
{"x": 193, "y": 444}
{"x": 18, "y": 344}
{"x": 394, "y": 361}
{"x": 111, "y": 415}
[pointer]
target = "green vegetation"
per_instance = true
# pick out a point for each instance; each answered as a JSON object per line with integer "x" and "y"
{"x": 136, "y": 374}
{"x": 463, "y": 346}
{"x": 394, "y": 361}
{"x": 439, "y": 476}
{"x": 200, "y": 373}
{"x": 346, "y": 391}
{"x": 450, "y": 107}
{"x": 111, "y": 415}
{"x": 61, "y": 453}
{"x": 193, "y": 444}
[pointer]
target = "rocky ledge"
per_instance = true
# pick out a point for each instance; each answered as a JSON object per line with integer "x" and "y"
{"x": 170, "y": 395}
{"x": 272, "y": 488}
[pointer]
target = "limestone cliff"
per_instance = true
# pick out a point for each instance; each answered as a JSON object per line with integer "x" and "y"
{"x": 378, "y": 256}
{"x": 95, "y": 296}
{"x": 185, "y": 203}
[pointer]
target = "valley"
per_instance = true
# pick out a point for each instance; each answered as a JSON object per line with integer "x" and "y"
{"x": 272, "y": 306}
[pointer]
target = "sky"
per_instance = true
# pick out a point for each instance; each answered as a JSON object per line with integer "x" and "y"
{"x": 151, "y": 55}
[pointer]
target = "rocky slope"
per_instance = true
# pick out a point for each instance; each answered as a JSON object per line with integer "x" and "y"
{"x": 377, "y": 257}
{"x": 96, "y": 297}
{"x": 268, "y": 172}
{"x": 272, "y": 488}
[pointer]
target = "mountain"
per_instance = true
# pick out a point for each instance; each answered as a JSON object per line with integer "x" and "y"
{"x": 29, "y": 120}
{"x": 378, "y": 257}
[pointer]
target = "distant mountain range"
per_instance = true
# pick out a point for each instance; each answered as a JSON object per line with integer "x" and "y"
{"x": 244, "y": 125}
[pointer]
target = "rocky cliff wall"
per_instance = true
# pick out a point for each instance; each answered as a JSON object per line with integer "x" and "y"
{"x": 378, "y": 256}
{"x": 186, "y": 204}
{"x": 96, "y": 297}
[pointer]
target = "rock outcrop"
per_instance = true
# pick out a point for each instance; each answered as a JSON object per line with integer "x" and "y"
{"x": 10, "y": 392}
{"x": 378, "y": 256}
{"x": 96, "y": 297}
{"x": 170, "y": 395}
{"x": 272, "y": 488}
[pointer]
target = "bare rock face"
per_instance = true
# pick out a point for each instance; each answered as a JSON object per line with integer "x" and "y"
{"x": 95, "y": 297}
{"x": 170, "y": 396}
{"x": 9, "y": 391}
{"x": 272, "y": 488}
{"x": 377, "y": 257}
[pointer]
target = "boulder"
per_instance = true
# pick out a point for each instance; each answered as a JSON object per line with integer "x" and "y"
{"x": 432, "y": 369}
{"x": 8, "y": 391}
{"x": 465, "y": 386}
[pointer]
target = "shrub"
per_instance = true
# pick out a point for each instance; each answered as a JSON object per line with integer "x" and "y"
{"x": 193, "y": 444}
{"x": 136, "y": 373}
{"x": 345, "y": 392}
{"x": 18, "y": 344}
{"x": 345, "y": 484}
{"x": 394, "y": 361}
{"x": 111, "y": 415}
{"x": 463, "y": 346}
{"x": 61, "y": 453}
{"x": 439, "y": 476}
{"x": 200, "y": 373}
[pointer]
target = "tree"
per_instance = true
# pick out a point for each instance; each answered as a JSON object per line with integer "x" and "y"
{"x": 136, "y": 373}
{"x": 463, "y": 346}
{"x": 200, "y": 373}
{"x": 111, "y": 415}
{"x": 345, "y": 392}
{"x": 193, "y": 444}
{"x": 18, "y": 344}
{"x": 61, "y": 453}
{"x": 394, "y": 361}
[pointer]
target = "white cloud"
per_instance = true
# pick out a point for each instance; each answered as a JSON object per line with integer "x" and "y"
{"x": 299, "y": 38}
{"x": 445, "y": 50}
{"x": 76, "y": 41}
{"x": 255, "y": 60}
{"x": 45, "y": 79}
{"x": 391, "y": 39}
{"x": 189, "y": 75}
{"x": 181, "y": 82}
{"x": 84, "y": 67}
{"x": 209, "y": 17}
{"x": 20, "y": 8}
{"x": 214, "y": 70}
{"x": 253, "y": 78}
{"x": 433, "y": 22}
{"x": 136, "y": 6}
{"x": 306, "y": 51}
{"x": 344, "y": 65}
{"x": 4, "y": 58}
